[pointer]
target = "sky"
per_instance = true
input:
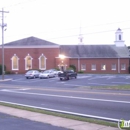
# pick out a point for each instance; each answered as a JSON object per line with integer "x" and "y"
{"x": 61, "y": 21}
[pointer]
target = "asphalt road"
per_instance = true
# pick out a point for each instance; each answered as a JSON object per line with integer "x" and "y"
{"x": 8, "y": 122}
{"x": 74, "y": 95}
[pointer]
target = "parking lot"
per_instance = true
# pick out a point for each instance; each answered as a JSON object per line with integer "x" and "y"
{"x": 83, "y": 80}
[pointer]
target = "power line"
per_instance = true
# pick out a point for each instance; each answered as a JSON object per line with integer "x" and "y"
{"x": 91, "y": 33}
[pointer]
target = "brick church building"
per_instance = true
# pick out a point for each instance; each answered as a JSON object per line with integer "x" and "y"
{"x": 35, "y": 53}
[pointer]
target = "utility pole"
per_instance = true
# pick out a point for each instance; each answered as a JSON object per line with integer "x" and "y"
{"x": 2, "y": 26}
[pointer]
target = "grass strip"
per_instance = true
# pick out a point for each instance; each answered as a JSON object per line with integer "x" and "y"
{"x": 122, "y": 87}
{"x": 79, "y": 118}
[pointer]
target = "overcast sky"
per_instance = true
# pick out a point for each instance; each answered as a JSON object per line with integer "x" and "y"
{"x": 60, "y": 21}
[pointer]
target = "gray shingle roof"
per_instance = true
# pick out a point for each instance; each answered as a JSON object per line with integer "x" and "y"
{"x": 94, "y": 51}
{"x": 30, "y": 41}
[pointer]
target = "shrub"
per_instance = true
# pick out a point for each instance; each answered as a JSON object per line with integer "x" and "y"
{"x": 73, "y": 66}
{"x": 1, "y": 69}
{"x": 70, "y": 68}
{"x": 80, "y": 71}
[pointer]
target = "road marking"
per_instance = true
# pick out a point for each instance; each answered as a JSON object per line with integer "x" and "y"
{"x": 121, "y": 82}
{"x": 65, "y": 112}
{"x": 60, "y": 82}
{"x": 27, "y": 81}
{"x": 73, "y": 84}
{"x": 102, "y": 84}
{"x": 81, "y": 77}
{"x": 111, "y": 77}
{"x": 71, "y": 97}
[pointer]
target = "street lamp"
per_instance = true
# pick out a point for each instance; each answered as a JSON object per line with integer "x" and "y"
{"x": 62, "y": 56}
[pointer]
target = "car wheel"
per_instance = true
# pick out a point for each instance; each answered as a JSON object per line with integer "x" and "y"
{"x": 26, "y": 77}
{"x": 60, "y": 78}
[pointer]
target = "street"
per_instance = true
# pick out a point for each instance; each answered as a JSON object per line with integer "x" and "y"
{"x": 73, "y": 96}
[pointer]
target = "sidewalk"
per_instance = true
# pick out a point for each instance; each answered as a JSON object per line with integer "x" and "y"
{"x": 55, "y": 121}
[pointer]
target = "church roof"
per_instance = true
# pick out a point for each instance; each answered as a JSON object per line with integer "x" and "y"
{"x": 94, "y": 51}
{"x": 30, "y": 41}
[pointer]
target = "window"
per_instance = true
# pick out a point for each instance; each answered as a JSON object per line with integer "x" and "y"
{"x": 119, "y": 37}
{"x": 28, "y": 62}
{"x": 113, "y": 67}
{"x": 15, "y": 62}
{"x": 93, "y": 67}
{"x": 42, "y": 62}
{"x": 123, "y": 66}
{"x": 103, "y": 67}
{"x": 83, "y": 67}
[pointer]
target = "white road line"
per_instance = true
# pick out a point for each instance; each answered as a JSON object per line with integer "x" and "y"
{"x": 121, "y": 82}
{"x": 73, "y": 85}
{"x": 60, "y": 82}
{"x": 65, "y": 112}
{"x": 71, "y": 97}
{"x": 28, "y": 81}
{"x": 81, "y": 77}
{"x": 103, "y": 84}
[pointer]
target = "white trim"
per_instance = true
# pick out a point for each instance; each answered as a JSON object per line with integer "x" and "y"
{"x": 124, "y": 67}
{"x": 40, "y": 62}
{"x": 112, "y": 66}
{"x": 47, "y": 46}
{"x": 17, "y": 62}
{"x": 96, "y": 57}
{"x": 26, "y": 62}
{"x": 93, "y": 68}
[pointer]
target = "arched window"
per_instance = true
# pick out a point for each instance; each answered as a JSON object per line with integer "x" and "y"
{"x": 15, "y": 62}
{"x": 42, "y": 62}
{"x": 119, "y": 37}
{"x": 28, "y": 62}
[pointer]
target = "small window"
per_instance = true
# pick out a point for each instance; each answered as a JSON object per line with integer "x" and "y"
{"x": 123, "y": 66}
{"x": 103, "y": 67}
{"x": 113, "y": 67}
{"x": 93, "y": 67}
{"x": 83, "y": 67}
{"x": 119, "y": 37}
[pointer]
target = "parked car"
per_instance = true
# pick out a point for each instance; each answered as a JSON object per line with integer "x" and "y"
{"x": 67, "y": 75}
{"x": 32, "y": 74}
{"x": 56, "y": 72}
{"x": 46, "y": 74}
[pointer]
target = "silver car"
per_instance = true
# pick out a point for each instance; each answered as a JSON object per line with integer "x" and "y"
{"x": 46, "y": 74}
{"x": 32, "y": 74}
{"x": 56, "y": 72}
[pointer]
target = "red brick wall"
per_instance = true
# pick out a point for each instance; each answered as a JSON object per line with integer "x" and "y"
{"x": 53, "y": 62}
{"x": 99, "y": 62}
{"x": 35, "y": 53}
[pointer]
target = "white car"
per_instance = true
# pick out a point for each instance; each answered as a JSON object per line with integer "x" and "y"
{"x": 46, "y": 74}
{"x": 56, "y": 72}
{"x": 32, "y": 74}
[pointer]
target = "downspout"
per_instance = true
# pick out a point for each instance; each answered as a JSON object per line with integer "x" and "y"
{"x": 78, "y": 64}
{"x": 118, "y": 65}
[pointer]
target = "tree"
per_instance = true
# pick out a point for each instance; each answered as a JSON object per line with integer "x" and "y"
{"x": 1, "y": 69}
